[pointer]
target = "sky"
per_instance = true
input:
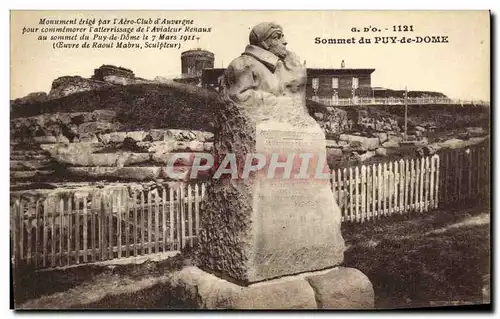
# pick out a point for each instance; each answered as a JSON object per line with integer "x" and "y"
{"x": 459, "y": 69}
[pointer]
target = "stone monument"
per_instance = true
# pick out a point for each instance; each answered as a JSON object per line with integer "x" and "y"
{"x": 270, "y": 228}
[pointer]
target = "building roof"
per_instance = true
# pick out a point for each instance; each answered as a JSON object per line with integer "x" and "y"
{"x": 340, "y": 71}
{"x": 197, "y": 51}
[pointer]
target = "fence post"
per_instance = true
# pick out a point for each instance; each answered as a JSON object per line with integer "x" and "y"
{"x": 109, "y": 214}
{"x": 369, "y": 196}
{"x": 143, "y": 223}
{"x": 45, "y": 235}
{"x": 412, "y": 185}
{"x": 15, "y": 227}
{"x": 374, "y": 189}
{"x": 150, "y": 224}
{"x": 380, "y": 191}
{"x": 425, "y": 171}
{"x": 396, "y": 188}
{"x": 61, "y": 230}
{"x": 390, "y": 188}
{"x": 340, "y": 196}
{"x": 172, "y": 217}
{"x": 93, "y": 213}
{"x": 37, "y": 232}
{"x": 183, "y": 217}
{"x": 118, "y": 223}
{"x": 356, "y": 195}
{"x": 70, "y": 228}
{"x": 432, "y": 181}
{"x": 351, "y": 196}
{"x": 417, "y": 185}
{"x": 135, "y": 232}
{"x": 363, "y": 193}
{"x": 346, "y": 198}
{"x": 197, "y": 209}
{"x": 402, "y": 182}
{"x": 190, "y": 215}
{"x": 421, "y": 192}
{"x": 126, "y": 216}
{"x": 52, "y": 233}
{"x": 164, "y": 216}
{"x": 85, "y": 221}
{"x": 157, "y": 220}
{"x": 28, "y": 232}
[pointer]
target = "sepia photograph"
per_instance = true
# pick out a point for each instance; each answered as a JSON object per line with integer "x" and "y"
{"x": 250, "y": 160}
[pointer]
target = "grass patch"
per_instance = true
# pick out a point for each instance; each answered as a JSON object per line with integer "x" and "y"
{"x": 437, "y": 258}
{"x": 431, "y": 259}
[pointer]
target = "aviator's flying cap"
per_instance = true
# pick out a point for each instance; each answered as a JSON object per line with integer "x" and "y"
{"x": 262, "y": 31}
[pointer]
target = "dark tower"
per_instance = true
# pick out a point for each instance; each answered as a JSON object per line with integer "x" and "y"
{"x": 194, "y": 61}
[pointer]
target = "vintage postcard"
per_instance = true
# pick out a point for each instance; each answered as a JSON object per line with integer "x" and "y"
{"x": 250, "y": 159}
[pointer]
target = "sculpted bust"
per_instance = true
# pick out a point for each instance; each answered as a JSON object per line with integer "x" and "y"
{"x": 266, "y": 73}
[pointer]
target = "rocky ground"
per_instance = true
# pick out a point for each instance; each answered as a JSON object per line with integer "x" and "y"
{"x": 437, "y": 259}
{"x": 131, "y": 132}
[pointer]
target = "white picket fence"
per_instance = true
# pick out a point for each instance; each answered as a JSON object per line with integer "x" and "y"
{"x": 372, "y": 191}
{"x": 398, "y": 101}
{"x": 82, "y": 227}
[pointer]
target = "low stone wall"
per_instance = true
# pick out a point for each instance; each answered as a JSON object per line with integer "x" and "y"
{"x": 136, "y": 155}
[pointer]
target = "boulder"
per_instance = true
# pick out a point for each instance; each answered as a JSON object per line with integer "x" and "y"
{"x": 394, "y": 138}
{"x": 45, "y": 139}
{"x": 343, "y": 288}
{"x": 453, "y": 143}
{"x": 357, "y": 146}
{"x": 331, "y": 144}
{"x": 173, "y": 146}
{"x": 338, "y": 288}
{"x": 62, "y": 139}
{"x": 318, "y": 116}
{"x": 67, "y": 85}
{"x": 137, "y": 136}
{"x": 382, "y": 137}
{"x": 334, "y": 152}
{"x": 131, "y": 173}
{"x": 208, "y": 147}
{"x": 97, "y": 127}
{"x": 476, "y": 131}
{"x": 372, "y": 143}
{"x": 431, "y": 149}
{"x": 72, "y": 152}
{"x": 367, "y": 155}
{"x": 422, "y": 142}
{"x": 181, "y": 135}
{"x": 360, "y": 143}
{"x": 35, "y": 97}
{"x": 476, "y": 140}
{"x": 90, "y": 138}
{"x": 103, "y": 115}
{"x": 114, "y": 137}
{"x": 390, "y": 144}
{"x": 381, "y": 151}
{"x": 157, "y": 135}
